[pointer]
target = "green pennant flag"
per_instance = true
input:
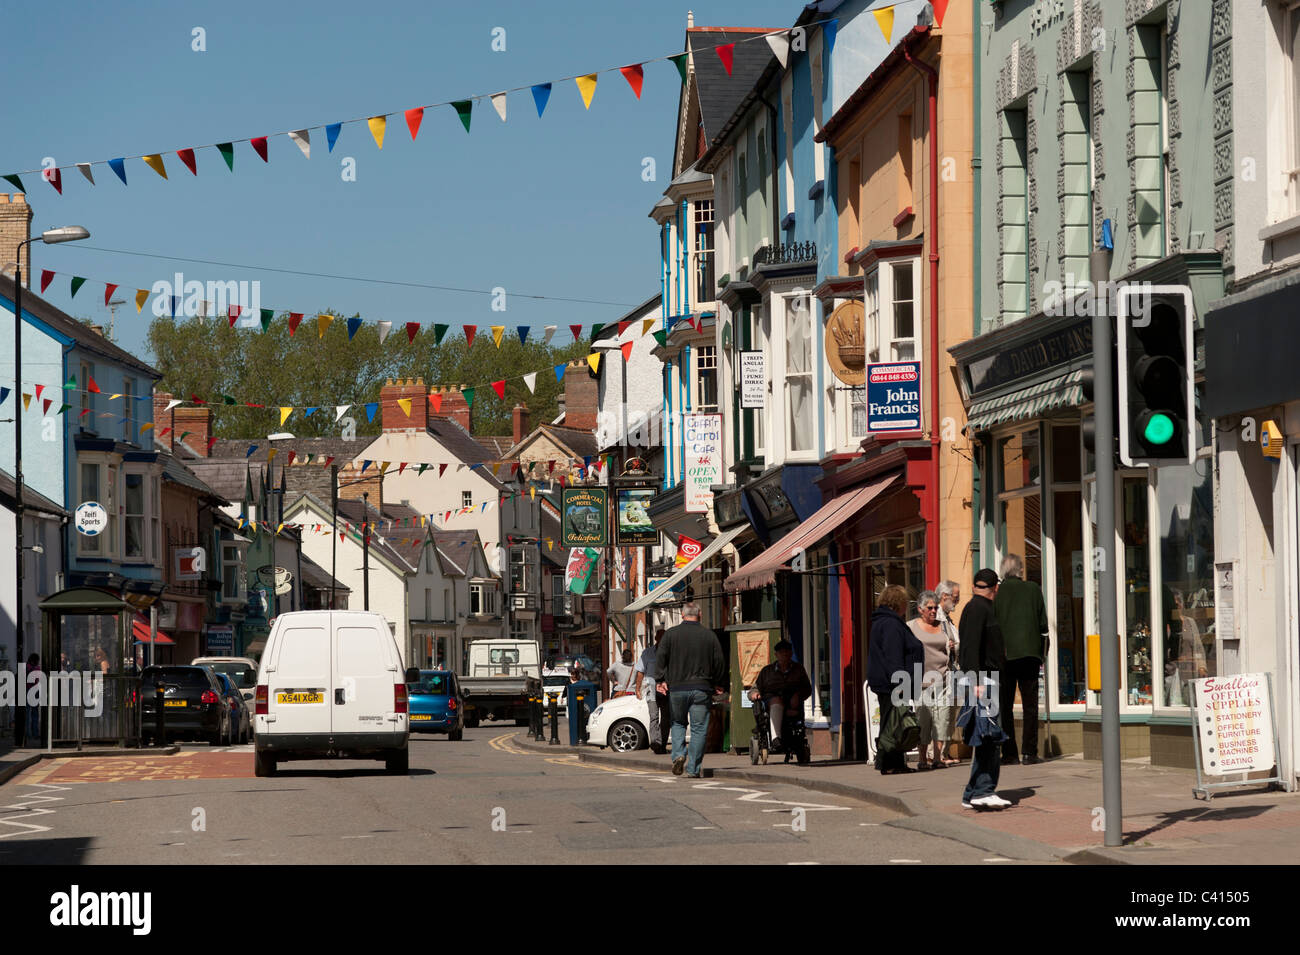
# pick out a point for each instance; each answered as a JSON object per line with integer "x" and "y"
{"x": 595, "y": 329}
{"x": 226, "y": 399}
{"x": 463, "y": 108}
{"x": 64, "y": 408}
{"x": 661, "y": 337}
{"x": 266, "y": 318}
{"x": 469, "y": 396}
{"x": 438, "y": 332}
{"x": 227, "y": 151}
{"x": 71, "y": 383}
{"x": 422, "y": 467}
{"x": 77, "y": 283}
{"x": 18, "y": 183}
{"x": 679, "y": 61}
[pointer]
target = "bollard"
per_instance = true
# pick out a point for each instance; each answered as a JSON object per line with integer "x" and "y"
{"x": 160, "y": 691}
{"x": 540, "y": 734}
{"x": 580, "y": 713}
{"x": 555, "y": 722}
{"x": 532, "y": 714}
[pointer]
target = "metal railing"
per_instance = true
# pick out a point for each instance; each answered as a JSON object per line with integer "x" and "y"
{"x": 786, "y": 253}
{"x": 104, "y": 712}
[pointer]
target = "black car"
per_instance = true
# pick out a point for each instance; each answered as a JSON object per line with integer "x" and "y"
{"x": 194, "y": 704}
{"x": 241, "y": 723}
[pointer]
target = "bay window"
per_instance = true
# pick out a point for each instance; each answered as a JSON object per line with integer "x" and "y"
{"x": 98, "y": 482}
{"x": 891, "y": 317}
{"x": 483, "y": 598}
{"x": 234, "y": 582}
{"x": 706, "y": 379}
{"x": 135, "y": 545}
{"x": 799, "y": 376}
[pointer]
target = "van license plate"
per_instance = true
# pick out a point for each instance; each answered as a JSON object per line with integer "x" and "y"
{"x": 308, "y": 697}
{"x": 178, "y": 703}
{"x": 421, "y": 716}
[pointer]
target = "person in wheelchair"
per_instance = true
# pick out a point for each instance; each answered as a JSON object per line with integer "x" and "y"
{"x": 782, "y": 685}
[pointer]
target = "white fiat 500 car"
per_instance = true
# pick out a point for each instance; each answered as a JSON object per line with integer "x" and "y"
{"x": 622, "y": 724}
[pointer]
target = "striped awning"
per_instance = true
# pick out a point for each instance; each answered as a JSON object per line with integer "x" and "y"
{"x": 1060, "y": 392}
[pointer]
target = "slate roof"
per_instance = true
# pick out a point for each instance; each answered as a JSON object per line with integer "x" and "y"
{"x": 581, "y": 443}
{"x": 453, "y": 550}
{"x": 224, "y": 470}
{"x": 496, "y": 446}
{"x": 86, "y": 338}
{"x": 32, "y": 500}
{"x": 462, "y": 445}
{"x": 387, "y": 542}
{"x": 718, "y": 93}
{"x": 610, "y": 331}
{"x": 176, "y": 472}
{"x": 318, "y": 577}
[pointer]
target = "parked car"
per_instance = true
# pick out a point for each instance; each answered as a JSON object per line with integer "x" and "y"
{"x": 436, "y": 704}
{"x": 241, "y": 670}
{"x": 241, "y": 722}
{"x": 194, "y": 704}
{"x": 331, "y": 686}
{"x": 622, "y": 724}
{"x": 555, "y": 680}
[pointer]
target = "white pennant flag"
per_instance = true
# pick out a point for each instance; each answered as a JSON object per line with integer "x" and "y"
{"x": 530, "y": 380}
{"x": 203, "y": 311}
{"x": 550, "y": 330}
{"x": 780, "y": 44}
{"x": 384, "y": 329}
{"x": 499, "y": 104}
{"x": 340, "y": 410}
{"x": 85, "y": 171}
{"x": 171, "y": 404}
{"x": 303, "y": 139}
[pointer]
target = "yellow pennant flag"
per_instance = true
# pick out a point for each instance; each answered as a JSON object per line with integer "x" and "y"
{"x": 113, "y": 397}
{"x": 594, "y": 361}
{"x": 405, "y": 405}
{"x": 550, "y": 543}
{"x": 384, "y": 466}
{"x": 377, "y": 125}
{"x": 646, "y": 325}
{"x": 155, "y": 162}
{"x": 284, "y": 415}
{"x": 141, "y": 296}
{"x": 885, "y": 17}
{"x": 145, "y": 427}
{"x": 27, "y": 404}
{"x": 323, "y": 322}
{"x": 497, "y": 332}
{"x": 270, "y": 455}
{"x": 587, "y": 87}
{"x": 278, "y": 529}
{"x": 532, "y": 492}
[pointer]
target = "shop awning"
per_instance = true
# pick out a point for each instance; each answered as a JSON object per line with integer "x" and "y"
{"x": 665, "y": 590}
{"x": 1060, "y": 392}
{"x": 140, "y": 630}
{"x": 761, "y": 571}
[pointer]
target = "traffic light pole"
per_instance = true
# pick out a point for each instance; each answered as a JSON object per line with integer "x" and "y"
{"x": 1104, "y": 546}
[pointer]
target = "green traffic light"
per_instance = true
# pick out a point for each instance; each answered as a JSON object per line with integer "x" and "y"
{"x": 1159, "y": 429}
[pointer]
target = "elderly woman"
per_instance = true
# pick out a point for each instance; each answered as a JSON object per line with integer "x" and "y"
{"x": 892, "y": 658}
{"x": 935, "y": 705}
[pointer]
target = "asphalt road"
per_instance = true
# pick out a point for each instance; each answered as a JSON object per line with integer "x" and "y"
{"x": 482, "y": 800}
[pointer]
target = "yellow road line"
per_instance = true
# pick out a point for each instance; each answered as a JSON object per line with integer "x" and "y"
{"x": 503, "y": 744}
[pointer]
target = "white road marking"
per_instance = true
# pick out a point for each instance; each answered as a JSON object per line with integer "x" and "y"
{"x": 904, "y": 860}
{"x": 999, "y": 859}
{"x": 26, "y": 803}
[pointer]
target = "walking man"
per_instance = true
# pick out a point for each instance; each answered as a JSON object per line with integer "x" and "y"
{"x": 689, "y": 667}
{"x": 1022, "y": 615}
{"x": 645, "y": 689}
{"x": 981, "y": 661}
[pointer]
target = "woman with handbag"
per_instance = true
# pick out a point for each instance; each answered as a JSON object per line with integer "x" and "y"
{"x": 934, "y": 704}
{"x": 894, "y": 656}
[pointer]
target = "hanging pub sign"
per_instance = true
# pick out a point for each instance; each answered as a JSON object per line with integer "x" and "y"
{"x": 846, "y": 349}
{"x": 632, "y": 525}
{"x": 893, "y": 397}
{"x": 583, "y": 517}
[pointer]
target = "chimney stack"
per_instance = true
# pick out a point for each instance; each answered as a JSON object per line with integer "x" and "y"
{"x": 581, "y": 397}
{"x": 414, "y": 418}
{"x": 522, "y": 422}
{"x": 372, "y": 484}
{"x": 16, "y": 227}
{"x": 196, "y": 420}
{"x": 455, "y": 407}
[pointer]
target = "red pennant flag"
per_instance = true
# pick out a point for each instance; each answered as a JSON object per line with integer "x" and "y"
{"x": 413, "y": 118}
{"x": 163, "y": 432}
{"x": 197, "y": 400}
{"x": 187, "y": 157}
{"x": 211, "y": 441}
{"x": 622, "y": 327}
{"x": 47, "y": 406}
{"x": 441, "y": 468}
{"x": 46, "y": 278}
{"x": 724, "y": 54}
{"x": 292, "y": 455}
{"x": 259, "y": 142}
{"x": 295, "y": 318}
{"x": 940, "y": 10}
{"x": 634, "y": 76}
{"x": 108, "y": 291}
{"x": 435, "y": 399}
{"x": 55, "y": 179}
{"x": 329, "y": 460}
{"x": 92, "y": 387}
{"x": 626, "y": 349}
{"x": 500, "y": 388}
{"x": 233, "y": 313}
{"x": 412, "y": 329}
{"x": 550, "y": 467}
{"x": 577, "y": 331}
{"x": 469, "y": 334}
{"x": 514, "y": 468}
{"x": 39, "y": 389}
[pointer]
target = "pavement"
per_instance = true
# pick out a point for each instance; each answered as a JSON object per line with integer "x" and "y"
{"x": 1057, "y": 807}
{"x": 14, "y": 760}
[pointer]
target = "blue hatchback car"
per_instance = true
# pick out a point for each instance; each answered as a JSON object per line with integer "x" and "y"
{"x": 436, "y": 705}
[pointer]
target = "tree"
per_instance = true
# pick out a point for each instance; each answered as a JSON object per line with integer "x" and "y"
{"x": 231, "y": 368}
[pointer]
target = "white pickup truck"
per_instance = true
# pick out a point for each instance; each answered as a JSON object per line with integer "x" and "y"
{"x": 502, "y": 673}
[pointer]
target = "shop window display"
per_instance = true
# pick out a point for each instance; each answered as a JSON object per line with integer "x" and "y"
{"x": 1137, "y": 592}
{"x": 1185, "y": 522}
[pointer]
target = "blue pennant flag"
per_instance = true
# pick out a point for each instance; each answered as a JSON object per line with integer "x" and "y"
{"x": 118, "y": 166}
{"x": 559, "y": 373}
{"x": 523, "y": 334}
{"x": 176, "y": 300}
{"x": 4, "y": 393}
{"x": 829, "y": 32}
{"x": 251, "y": 449}
{"x": 332, "y": 134}
{"x": 353, "y": 325}
{"x": 371, "y": 408}
{"x": 541, "y": 93}
{"x": 309, "y": 412}
{"x": 365, "y": 464}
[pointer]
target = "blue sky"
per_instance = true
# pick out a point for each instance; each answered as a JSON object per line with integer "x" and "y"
{"x": 554, "y": 206}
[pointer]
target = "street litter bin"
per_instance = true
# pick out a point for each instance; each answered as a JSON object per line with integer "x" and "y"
{"x": 580, "y": 712}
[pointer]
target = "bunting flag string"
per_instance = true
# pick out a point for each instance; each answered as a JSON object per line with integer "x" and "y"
{"x": 778, "y": 41}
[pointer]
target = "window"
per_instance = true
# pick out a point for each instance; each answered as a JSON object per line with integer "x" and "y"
{"x": 89, "y": 491}
{"x": 1291, "y": 47}
{"x": 1184, "y": 524}
{"x": 1076, "y": 177}
{"x": 897, "y": 559}
{"x": 903, "y": 339}
{"x": 873, "y": 316}
{"x": 1020, "y": 520}
{"x": 1150, "y": 136}
{"x": 135, "y": 547}
{"x": 466, "y": 499}
{"x": 743, "y": 244}
{"x": 1013, "y": 188}
{"x": 521, "y": 629}
{"x": 234, "y": 584}
{"x": 128, "y": 406}
{"x": 98, "y": 481}
{"x": 798, "y": 375}
{"x": 523, "y": 569}
{"x": 816, "y": 650}
{"x": 483, "y": 599}
{"x": 891, "y": 326}
{"x": 706, "y": 379}
{"x": 87, "y": 396}
{"x": 703, "y": 251}
{"x": 904, "y": 162}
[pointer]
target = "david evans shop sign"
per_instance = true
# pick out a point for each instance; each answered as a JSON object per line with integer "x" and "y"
{"x": 1062, "y": 346}
{"x": 1234, "y": 715}
{"x": 893, "y": 397}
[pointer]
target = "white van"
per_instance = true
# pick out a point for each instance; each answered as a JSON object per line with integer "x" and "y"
{"x": 331, "y": 685}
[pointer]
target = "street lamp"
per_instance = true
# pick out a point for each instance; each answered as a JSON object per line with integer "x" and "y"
{"x": 69, "y": 233}
{"x": 365, "y": 548}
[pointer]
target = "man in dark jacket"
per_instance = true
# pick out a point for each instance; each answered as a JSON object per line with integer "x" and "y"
{"x": 894, "y": 658}
{"x": 1022, "y": 616}
{"x": 981, "y": 658}
{"x": 783, "y": 685}
{"x": 688, "y": 668}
